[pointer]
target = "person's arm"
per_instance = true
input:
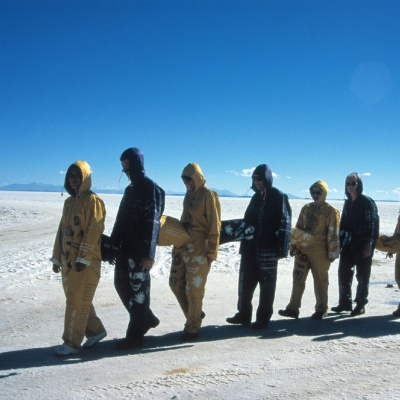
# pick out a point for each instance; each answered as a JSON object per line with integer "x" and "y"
{"x": 56, "y": 258}
{"x": 333, "y": 234}
{"x": 154, "y": 209}
{"x": 285, "y": 227}
{"x": 96, "y": 214}
{"x": 213, "y": 210}
{"x": 372, "y": 218}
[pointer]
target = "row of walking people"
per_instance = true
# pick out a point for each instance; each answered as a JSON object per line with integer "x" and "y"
{"x": 319, "y": 237}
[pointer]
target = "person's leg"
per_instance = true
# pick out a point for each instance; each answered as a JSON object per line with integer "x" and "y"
{"x": 177, "y": 279}
{"x": 138, "y": 304}
{"x": 197, "y": 270}
{"x": 122, "y": 283}
{"x": 319, "y": 268}
{"x": 248, "y": 280}
{"x": 94, "y": 326}
{"x": 345, "y": 278}
{"x": 300, "y": 272}
{"x": 79, "y": 289}
{"x": 267, "y": 265}
{"x": 363, "y": 274}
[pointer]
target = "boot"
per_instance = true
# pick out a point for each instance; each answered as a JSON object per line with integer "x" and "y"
{"x": 238, "y": 319}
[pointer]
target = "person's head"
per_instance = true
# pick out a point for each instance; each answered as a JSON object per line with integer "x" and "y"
{"x": 189, "y": 183}
{"x": 192, "y": 177}
{"x": 319, "y": 191}
{"x": 77, "y": 178}
{"x": 353, "y": 185}
{"x": 132, "y": 162}
{"x": 262, "y": 178}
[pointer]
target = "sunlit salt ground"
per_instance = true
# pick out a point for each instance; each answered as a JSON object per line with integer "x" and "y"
{"x": 29, "y": 221}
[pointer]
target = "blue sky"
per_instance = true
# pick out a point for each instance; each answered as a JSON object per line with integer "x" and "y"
{"x": 311, "y": 88}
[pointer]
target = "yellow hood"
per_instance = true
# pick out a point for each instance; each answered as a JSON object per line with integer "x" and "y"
{"x": 193, "y": 170}
{"x": 324, "y": 187}
{"x": 86, "y": 178}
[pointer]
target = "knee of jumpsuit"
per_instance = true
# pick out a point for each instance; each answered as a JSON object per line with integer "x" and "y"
{"x": 177, "y": 274}
{"x": 300, "y": 270}
{"x": 140, "y": 287}
{"x": 197, "y": 270}
{"x": 319, "y": 264}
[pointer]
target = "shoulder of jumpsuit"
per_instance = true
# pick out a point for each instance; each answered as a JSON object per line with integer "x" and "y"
{"x": 369, "y": 200}
{"x": 211, "y": 193}
{"x": 366, "y": 203}
{"x": 96, "y": 198}
{"x": 143, "y": 187}
{"x": 333, "y": 209}
{"x": 280, "y": 195}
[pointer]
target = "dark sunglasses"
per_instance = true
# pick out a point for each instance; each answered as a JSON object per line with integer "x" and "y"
{"x": 186, "y": 178}
{"x": 315, "y": 192}
{"x": 351, "y": 183}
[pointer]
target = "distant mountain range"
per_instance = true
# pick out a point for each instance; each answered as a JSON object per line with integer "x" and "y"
{"x": 42, "y": 187}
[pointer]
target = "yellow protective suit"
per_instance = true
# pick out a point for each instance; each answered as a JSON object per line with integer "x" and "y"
{"x": 391, "y": 244}
{"x": 321, "y": 221}
{"x": 191, "y": 263}
{"x": 78, "y": 240}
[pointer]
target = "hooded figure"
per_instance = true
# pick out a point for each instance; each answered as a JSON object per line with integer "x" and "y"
{"x": 191, "y": 263}
{"x": 77, "y": 253}
{"x": 135, "y": 233}
{"x": 315, "y": 244}
{"x": 269, "y": 211}
{"x": 359, "y": 229}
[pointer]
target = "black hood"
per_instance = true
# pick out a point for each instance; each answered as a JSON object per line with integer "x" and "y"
{"x": 136, "y": 162}
{"x": 360, "y": 186}
{"x": 264, "y": 172}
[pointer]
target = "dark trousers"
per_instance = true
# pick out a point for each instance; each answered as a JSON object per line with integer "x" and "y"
{"x": 257, "y": 267}
{"x": 350, "y": 260}
{"x": 133, "y": 288}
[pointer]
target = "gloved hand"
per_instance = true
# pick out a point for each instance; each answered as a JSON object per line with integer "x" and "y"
{"x": 56, "y": 268}
{"x": 389, "y": 255}
{"x": 79, "y": 267}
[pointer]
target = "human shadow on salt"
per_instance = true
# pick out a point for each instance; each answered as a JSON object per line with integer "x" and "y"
{"x": 335, "y": 327}
{"x": 332, "y": 327}
{"x": 45, "y": 357}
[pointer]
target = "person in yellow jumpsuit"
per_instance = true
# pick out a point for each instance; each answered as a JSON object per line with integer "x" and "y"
{"x": 314, "y": 243}
{"x": 391, "y": 244}
{"x": 77, "y": 253}
{"x": 191, "y": 263}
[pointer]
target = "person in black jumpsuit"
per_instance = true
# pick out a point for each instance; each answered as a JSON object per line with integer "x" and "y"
{"x": 269, "y": 211}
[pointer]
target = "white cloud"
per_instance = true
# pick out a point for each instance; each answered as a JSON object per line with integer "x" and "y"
{"x": 366, "y": 174}
{"x": 334, "y": 190}
{"x": 396, "y": 191}
{"x": 62, "y": 172}
{"x": 247, "y": 172}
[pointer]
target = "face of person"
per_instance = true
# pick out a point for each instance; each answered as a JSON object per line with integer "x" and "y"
{"x": 316, "y": 193}
{"x": 189, "y": 183}
{"x": 258, "y": 182}
{"x": 125, "y": 167}
{"x": 75, "y": 178}
{"x": 352, "y": 185}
